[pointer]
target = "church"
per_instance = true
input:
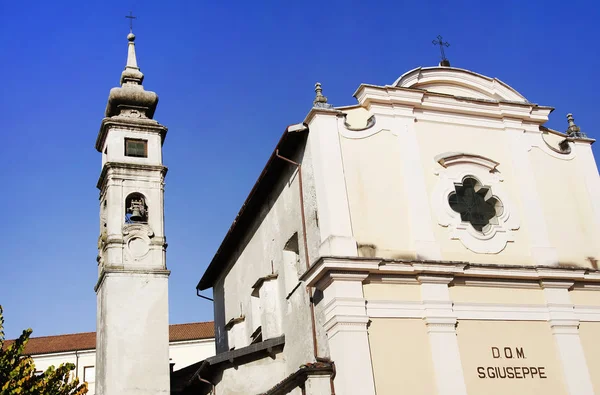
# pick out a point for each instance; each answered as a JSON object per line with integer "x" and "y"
{"x": 432, "y": 238}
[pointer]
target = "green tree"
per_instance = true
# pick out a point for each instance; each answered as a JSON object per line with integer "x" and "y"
{"x": 17, "y": 371}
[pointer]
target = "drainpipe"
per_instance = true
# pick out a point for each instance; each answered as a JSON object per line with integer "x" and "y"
{"x": 304, "y": 239}
{"x": 297, "y": 128}
{"x": 76, "y": 365}
{"x": 202, "y": 296}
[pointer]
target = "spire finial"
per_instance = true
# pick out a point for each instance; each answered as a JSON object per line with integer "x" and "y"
{"x": 320, "y": 100}
{"x": 132, "y": 73}
{"x": 573, "y": 130}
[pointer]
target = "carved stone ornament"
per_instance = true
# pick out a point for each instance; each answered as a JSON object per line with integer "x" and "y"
{"x": 137, "y": 240}
{"x": 470, "y": 201}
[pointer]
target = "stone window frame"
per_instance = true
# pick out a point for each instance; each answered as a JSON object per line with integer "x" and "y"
{"x": 455, "y": 167}
{"x": 134, "y": 140}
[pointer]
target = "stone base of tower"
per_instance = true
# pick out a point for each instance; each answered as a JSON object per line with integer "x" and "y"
{"x": 132, "y": 333}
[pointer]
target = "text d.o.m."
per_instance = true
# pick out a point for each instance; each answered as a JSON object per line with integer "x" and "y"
{"x": 508, "y": 352}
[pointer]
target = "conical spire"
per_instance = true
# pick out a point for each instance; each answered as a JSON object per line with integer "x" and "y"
{"x": 573, "y": 130}
{"x": 320, "y": 100}
{"x": 132, "y": 73}
{"x": 131, "y": 100}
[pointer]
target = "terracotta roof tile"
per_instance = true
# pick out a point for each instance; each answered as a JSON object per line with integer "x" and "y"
{"x": 192, "y": 331}
{"x": 87, "y": 340}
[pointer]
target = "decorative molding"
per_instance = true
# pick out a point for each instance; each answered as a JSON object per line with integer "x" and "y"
{"x": 107, "y": 271}
{"x": 512, "y": 284}
{"x": 349, "y": 132}
{"x": 370, "y": 124}
{"x": 131, "y": 124}
{"x": 537, "y": 140}
{"x": 120, "y": 168}
{"x": 484, "y": 312}
{"x": 494, "y": 89}
{"x": 464, "y": 165}
{"x": 137, "y": 239}
{"x": 471, "y": 271}
{"x": 587, "y": 313}
{"x": 448, "y": 159}
{"x": 390, "y": 279}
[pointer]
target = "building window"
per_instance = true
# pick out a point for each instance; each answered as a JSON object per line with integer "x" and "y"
{"x": 475, "y": 204}
{"x": 89, "y": 374}
{"x": 136, "y": 148}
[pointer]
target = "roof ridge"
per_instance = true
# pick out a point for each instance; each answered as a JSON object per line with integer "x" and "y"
{"x": 89, "y": 332}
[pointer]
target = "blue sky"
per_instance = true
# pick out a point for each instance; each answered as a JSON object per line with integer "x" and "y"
{"x": 230, "y": 76}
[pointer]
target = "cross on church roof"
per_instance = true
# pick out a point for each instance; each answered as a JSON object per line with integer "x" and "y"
{"x": 131, "y": 18}
{"x": 442, "y": 44}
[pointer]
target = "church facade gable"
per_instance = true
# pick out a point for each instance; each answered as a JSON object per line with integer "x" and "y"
{"x": 426, "y": 214}
{"x": 398, "y": 190}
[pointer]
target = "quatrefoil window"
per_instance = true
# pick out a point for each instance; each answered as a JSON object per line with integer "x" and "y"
{"x": 476, "y": 204}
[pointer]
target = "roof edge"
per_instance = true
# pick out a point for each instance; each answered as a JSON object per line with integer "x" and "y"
{"x": 212, "y": 271}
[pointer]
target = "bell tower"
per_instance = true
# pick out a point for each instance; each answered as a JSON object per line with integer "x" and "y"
{"x": 132, "y": 343}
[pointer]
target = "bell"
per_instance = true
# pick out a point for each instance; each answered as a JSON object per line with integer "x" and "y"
{"x": 136, "y": 215}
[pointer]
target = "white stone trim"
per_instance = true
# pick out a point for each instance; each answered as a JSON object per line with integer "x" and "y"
{"x": 587, "y": 313}
{"x": 537, "y": 140}
{"x": 401, "y": 124}
{"x": 583, "y": 276}
{"x": 468, "y": 311}
{"x": 491, "y": 87}
{"x": 357, "y": 134}
{"x": 440, "y": 321}
{"x": 496, "y": 238}
{"x": 346, "y": 324}
{"x": 518, "y": 135}
{"x": 368, "y": 95}
{"x": 587, "y": 166}
{"x": 487, "y": 311}
{"x": 335, "y": 224}
{"x": 565, "y": 329}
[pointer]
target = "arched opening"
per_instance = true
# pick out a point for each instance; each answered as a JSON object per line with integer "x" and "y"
{"x": 136, "y": 210}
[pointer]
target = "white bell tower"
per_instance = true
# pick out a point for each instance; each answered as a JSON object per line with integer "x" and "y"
{"x": 132, "y": 344}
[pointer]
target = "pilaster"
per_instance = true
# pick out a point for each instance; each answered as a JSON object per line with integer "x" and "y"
{"x": 401, "y": 122}
{"x": 441, "y": 321}
{"x": 542, "y": 252}
{"x": 346, "y": 325}
{"x": 565, "y": 330}
{"x": 335, "y": 224}
{"x": 587, "y": 166}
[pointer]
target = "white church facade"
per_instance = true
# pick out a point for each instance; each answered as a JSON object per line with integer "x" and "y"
{"x": 434, "y": 238}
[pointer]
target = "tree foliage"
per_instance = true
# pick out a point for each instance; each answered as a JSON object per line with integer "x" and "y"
{"x": 17, "y": 371}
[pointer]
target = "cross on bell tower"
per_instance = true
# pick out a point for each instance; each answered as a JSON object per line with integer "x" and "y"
{"x": 131, "y": 18}
{"x": 132, "y": 342}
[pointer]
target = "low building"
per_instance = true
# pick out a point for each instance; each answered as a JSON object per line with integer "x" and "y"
{"x": 188, "y": 343}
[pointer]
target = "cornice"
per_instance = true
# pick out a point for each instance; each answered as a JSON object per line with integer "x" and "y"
{"x": 333, "y": 264}
{"x": 106, "y": 271}
{"x": 127, "y": 166}
{"x": 446, "y": 103}
{"x": 127, "y": 123}
{"x": 320, "y": 111}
